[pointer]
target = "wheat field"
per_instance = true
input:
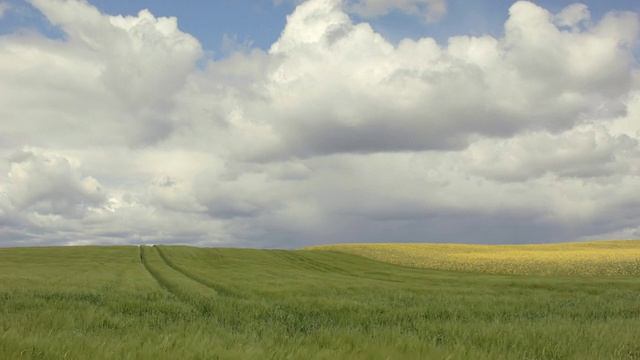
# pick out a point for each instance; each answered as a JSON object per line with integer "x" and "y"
{"x": 178, "y": 302}
{"x": 607, "y": 258}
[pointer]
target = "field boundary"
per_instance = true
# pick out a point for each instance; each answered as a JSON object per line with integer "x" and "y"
{"x": 300, "y": 261}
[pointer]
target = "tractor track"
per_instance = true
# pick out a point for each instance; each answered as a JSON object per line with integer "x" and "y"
{"x": 163, "y": 284}
{"x": 199, "y": 301}
{"x": 219, "y": 289}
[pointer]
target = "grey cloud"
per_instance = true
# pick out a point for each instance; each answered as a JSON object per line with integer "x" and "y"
{"x": 582, "y": 152}
{"x": 229, "y": 208}
{"x": 49, "y": 184}
{"x": 325, "y": 138}
{"x": 470, "y": 228}
{"x": 230, "y": 201}
{"x": 289, "y": 171}
{"x": 173, "y": 195}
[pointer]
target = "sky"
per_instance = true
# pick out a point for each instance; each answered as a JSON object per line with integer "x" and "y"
{"x": 285, "y": 124}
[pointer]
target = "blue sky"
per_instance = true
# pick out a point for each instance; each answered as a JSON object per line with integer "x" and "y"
{"x": 316, "y": 122}
{"x": 260, "y": 22}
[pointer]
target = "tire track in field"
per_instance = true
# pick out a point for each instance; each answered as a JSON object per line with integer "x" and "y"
{"x": 201, "y": 304}
{"x": 154, "y": 274}
{"x": 219, "y": 289}
{"x": 183, "y": 295}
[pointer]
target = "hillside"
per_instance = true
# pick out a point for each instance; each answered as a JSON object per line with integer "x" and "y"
{"x": 176, "y": 302}
{"x": 567, "y": 259}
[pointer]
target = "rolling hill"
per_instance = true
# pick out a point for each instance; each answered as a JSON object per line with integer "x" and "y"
{"x": 169, "y": 302}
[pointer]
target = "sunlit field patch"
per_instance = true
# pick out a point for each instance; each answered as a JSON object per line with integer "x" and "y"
{"x": 581, "y": 259}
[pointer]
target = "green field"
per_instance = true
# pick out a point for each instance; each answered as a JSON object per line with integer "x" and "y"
{"x": 174, "y": 302}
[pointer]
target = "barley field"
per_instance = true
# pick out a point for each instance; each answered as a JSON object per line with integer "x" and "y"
{"x": 177, "y": 302}
{"x": 602, "y": 258}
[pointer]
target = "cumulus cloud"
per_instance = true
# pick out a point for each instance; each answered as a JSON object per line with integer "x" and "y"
{"x": 125, "y": 70}
{"x": 48, "y": 184}
{"x": 573, "y": 15}
{"x": 334, "y": 86}
{"x": 113, "y": 135}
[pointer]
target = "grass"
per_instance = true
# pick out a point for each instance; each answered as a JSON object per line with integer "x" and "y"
{"x": 168, "y": 302}
{"x": 602, "y": 258}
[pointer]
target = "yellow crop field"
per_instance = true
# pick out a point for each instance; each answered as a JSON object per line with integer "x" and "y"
{"x": 576, "y": 259}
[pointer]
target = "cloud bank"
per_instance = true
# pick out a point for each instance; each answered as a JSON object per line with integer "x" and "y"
{"x": 115, "y": 135}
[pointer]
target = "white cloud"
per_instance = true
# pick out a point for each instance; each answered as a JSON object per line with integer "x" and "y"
{"x": 429, "y": 10}
{"x": 334, "y": 86}
{"x": 334, "y": 134}
{"x": 573, "y": 15}
{"x": 113, "y": 77}
{"x": 4, "y": 7}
